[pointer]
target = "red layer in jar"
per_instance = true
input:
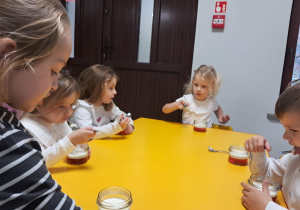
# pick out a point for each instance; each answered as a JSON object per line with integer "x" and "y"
{"x": 236, "y": 161}
{"x": 200, "y": 128}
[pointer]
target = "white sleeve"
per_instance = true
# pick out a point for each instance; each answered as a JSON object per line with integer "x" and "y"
{"x": 215, "y": 104}
{"x": 274, "y": 206}
{"x": 57, "y": 151}
{"x": 181, "y": 98}
{"x": 107, "y": 130}
{"x": 82, "y": 117}
{"x": 261, "y": 164}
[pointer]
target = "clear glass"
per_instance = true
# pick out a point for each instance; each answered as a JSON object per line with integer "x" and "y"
{"x": 114, "y": 198}
{"x": 257, "y": 180}
{"x": 80, "y": 155}
{"x": 199, "y": 125}
{"x": 238, "y": 155}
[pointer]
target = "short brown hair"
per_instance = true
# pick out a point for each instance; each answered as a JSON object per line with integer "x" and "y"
{"x": 288, "y": 101}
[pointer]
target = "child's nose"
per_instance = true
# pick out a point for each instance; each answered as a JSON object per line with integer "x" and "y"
{"x": 54, "y": 84}
{"x": 285, "y": 136}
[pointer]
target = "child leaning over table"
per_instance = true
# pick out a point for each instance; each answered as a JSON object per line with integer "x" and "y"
{"x": 48, "y": 122}
{"x": 199, "y": 102}
{"x": 96, "y": 107}
{"x": 286, "y": 170}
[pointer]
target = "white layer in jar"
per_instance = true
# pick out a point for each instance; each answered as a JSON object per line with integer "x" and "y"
{"x": 114, "y": 203}
{"x": 77, "y": 156}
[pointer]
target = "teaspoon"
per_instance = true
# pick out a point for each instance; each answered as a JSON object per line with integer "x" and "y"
{"x": 212, "y": 150}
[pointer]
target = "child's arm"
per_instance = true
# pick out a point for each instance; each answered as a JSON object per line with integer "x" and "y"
{"x": 222, "y": 118}
{"x": 53, "y": 154}
{"x": 261, "y": 164}
{"x": 171, "y": 107}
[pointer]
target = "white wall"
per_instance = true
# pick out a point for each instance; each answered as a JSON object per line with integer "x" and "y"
{"x": 249, "y": 55}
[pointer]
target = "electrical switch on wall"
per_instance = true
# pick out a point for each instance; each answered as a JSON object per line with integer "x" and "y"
{"x": 218, "y": 21}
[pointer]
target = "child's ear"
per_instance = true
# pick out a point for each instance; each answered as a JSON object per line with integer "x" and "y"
{"x": 7, "y": 45}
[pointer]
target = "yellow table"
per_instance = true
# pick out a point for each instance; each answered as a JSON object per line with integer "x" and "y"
{"x": 165, "y": 165}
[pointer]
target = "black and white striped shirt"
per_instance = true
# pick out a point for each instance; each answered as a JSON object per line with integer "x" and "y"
{"x": 25, "y": 182}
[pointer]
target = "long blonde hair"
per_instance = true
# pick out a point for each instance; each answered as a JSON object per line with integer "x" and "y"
{"x": 92, "y": 83}
{"x": 210, "y": 75}
{"x": 34, "y": 25}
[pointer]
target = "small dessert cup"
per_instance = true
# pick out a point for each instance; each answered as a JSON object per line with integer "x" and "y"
{"x": 199, "y": 126}
{"x": 80, "y": 155}
{"x": 238, "y": 155}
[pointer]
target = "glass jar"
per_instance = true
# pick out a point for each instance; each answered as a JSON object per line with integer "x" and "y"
{"x": 257, "y": 180}
{"x": 114, "y": 198}
{"x": 79, "y": 155}
{"x": 199, "y": 126}
{"x": 238, "y": 155}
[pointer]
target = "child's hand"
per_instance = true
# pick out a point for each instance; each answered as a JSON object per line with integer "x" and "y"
{"x": 224, "y": 119}
{"x": 129, "y": 129}
{"x": 182, "y": 104}
{"x": 81, "y": 136}
{"x": 257, "y": 144}
{"x": 123, "y": 121}
{"x": 254, "y": 199}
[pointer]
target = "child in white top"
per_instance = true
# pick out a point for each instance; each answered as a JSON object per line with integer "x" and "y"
{"x": 199, "y": 101}
{"x": 285, "y": 170}
{"x": 48, "y": 122}
{"x": 95, "y": 107}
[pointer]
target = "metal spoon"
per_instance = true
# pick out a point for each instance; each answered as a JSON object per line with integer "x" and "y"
{"x": 212, "y": 150}
{"x": 283, "y": 152}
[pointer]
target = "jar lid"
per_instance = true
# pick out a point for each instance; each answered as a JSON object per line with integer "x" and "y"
{"x": 257, "y": 180}
{"x": 238, "y": 152}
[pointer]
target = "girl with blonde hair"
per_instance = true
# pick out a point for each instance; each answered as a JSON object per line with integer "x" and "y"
{"x": 199, "y": 102}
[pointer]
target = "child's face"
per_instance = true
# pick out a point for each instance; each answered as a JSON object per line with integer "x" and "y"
{"x": 109, "y": 91}
{"x": 291, "y": 123}
{"x": 27, "y": 88}
{"x": 201, "y": 88}
{"x": 60, "y": 113}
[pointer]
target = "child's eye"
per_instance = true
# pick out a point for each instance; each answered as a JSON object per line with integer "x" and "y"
{"x": 293, "y": 130}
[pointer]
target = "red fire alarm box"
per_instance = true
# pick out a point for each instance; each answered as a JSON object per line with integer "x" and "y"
{"x": 218, "y": 21}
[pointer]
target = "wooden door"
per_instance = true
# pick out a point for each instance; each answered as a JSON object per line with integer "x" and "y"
{"x": 107, "y": 32}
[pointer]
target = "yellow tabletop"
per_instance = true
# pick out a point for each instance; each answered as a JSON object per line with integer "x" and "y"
{"x": 165, "y": 165}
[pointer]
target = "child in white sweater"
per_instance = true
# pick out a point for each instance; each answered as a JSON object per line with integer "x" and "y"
{"x": 285, "y": 170}
{"x": 48, "y": 122}
{"x": 95, "y": 107}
